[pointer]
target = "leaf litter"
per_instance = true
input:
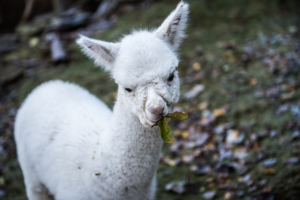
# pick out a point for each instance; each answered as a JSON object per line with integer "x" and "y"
{"x": 235, "y": 149}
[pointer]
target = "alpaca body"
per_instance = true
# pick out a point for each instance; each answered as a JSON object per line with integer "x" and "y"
{"x": 76, "y": 156}
{"x": 71, "y": 146}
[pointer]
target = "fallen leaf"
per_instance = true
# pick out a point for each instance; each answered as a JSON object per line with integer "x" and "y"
{"x": 188, "y": 158}
{"x": 253, "y": 81}
{"x": 287, "y": 96}
{"x": 177, "y": 132}
{"x": 185, "y": 134}
{"x": 270, "y": 162}
{"x": 245, "y": 178}
{"x": 170, "y": 162}
{"x": 196, "y": 66}
{"x": 252, "y": 189}
{"x": 231, "y": 59}
{"x": 263, "y": 182}
{"x": 232, "y": 136}
{"x": 240, "y": 153}
{"x": 203, "y": 105}
{"x": 228, "y": 195}
{"x": 194, "y": 92}
{"x": 33, "y": 42}
{"x": 219, "y": 112}
{"x": 201, "y": 138}
{"x": 209, "y": 195}
{"x": 270, "y": 171}
{"x": 202, "y": 170}
{"x": 291, "y": 161}
{"x": 177, "y": 187}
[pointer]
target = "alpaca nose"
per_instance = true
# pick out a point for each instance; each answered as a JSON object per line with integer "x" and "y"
{"x": 155, "y": 106}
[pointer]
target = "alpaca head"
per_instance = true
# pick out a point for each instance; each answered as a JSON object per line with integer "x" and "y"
{"x": 143, "y": 64}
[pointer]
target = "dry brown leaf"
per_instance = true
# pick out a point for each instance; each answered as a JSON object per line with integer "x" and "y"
{"x": 253, "y": 81}
{"x": 219, "y": 112}
{"x": 196, "y": 66}
{"x": 270, "y": 171}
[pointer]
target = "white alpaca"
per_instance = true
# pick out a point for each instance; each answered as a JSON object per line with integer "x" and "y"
{"x": 72, "y": 147}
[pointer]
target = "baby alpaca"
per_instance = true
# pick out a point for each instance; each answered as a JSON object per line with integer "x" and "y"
{"x": 71, "y": 146}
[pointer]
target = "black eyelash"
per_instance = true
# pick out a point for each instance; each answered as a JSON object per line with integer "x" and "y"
{"x": 171, "y": 77}
{"x": 128, "y": 89}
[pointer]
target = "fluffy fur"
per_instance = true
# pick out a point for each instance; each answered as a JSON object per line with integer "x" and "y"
{"x": 71, "y": 146}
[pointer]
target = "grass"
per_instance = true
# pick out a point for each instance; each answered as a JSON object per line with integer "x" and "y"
{"x": 212, "y": 25}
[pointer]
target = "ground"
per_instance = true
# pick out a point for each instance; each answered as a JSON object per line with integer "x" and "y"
{"x": 240, "y": 72}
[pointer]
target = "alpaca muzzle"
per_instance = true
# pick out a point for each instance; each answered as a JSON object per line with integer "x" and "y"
{"x": 155, "y": 106}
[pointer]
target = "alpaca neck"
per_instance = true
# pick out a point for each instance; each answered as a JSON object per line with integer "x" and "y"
{"x": 134, "y": 148}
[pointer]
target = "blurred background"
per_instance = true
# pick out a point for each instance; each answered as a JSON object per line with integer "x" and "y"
{"x": 240, "y": 85}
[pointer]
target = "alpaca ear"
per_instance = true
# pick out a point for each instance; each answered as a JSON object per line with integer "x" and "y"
{"x": 103, "y": 53}
{"x": 172, "y": 29}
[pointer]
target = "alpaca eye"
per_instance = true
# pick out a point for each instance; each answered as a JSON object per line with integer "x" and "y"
{"x": 128, "y": 89}
{"x": 171, "y": 77}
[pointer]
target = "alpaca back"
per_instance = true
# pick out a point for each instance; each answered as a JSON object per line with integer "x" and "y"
{"x": 56, "y": 130}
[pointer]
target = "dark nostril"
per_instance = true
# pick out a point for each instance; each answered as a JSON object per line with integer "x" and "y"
{"x": 158, "y": 109}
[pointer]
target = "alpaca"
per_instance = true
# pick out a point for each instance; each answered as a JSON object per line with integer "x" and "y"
{"x": 71, "y": 146}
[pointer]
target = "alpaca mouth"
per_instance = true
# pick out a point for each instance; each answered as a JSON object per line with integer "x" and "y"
{"x": 154, "y": 123}
{"x": 152, "y": 120}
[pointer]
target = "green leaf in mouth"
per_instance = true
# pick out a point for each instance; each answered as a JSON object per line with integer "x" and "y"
{"x": 177, "y": 115}
{"x": 165, "y": 129}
